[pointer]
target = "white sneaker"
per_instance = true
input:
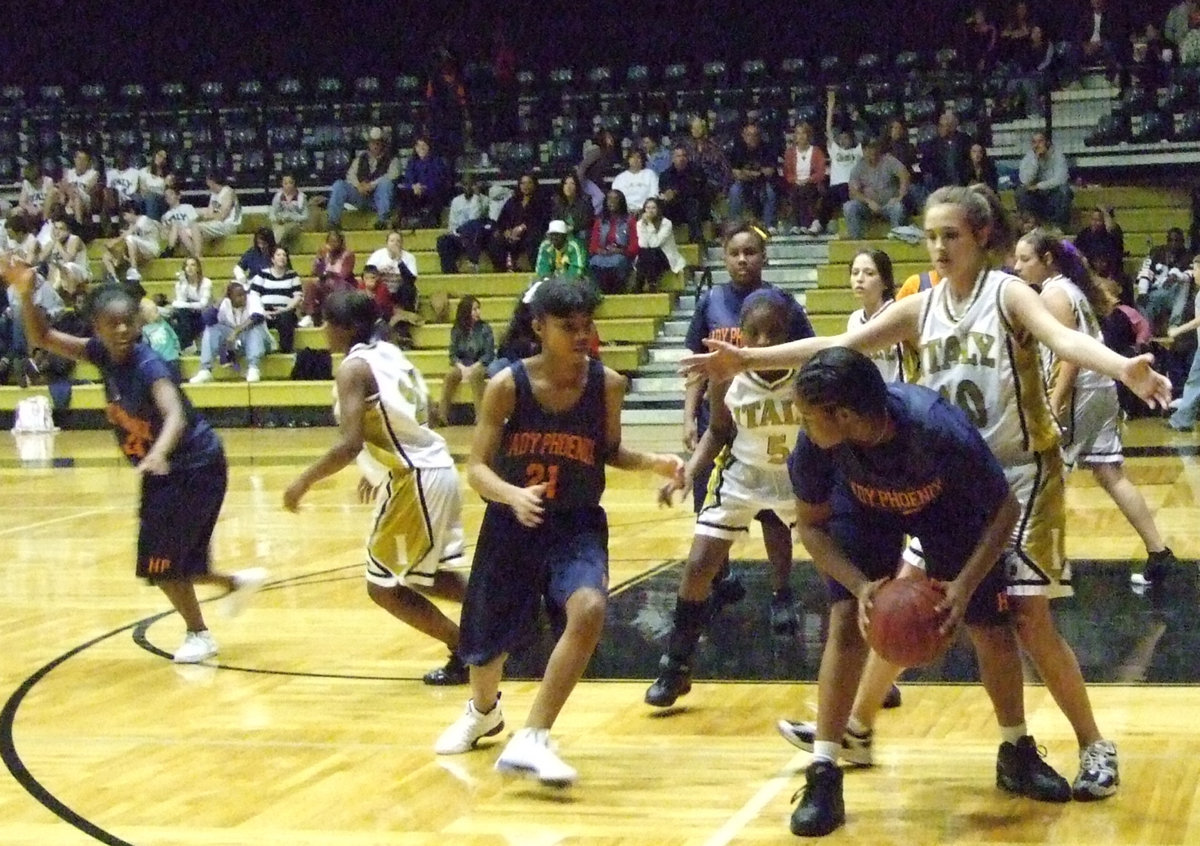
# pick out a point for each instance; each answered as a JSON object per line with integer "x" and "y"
{"x": 196, "y": 647}
{"x": 814, "y": 228}
{"x": 203, "y": 375}
{"x": 306, "y": 322}
{"x": 531, "y": 753}
{"x": 245, "y": 584}
{"x": 469, "y": 729}
{"x": 1098, "y": 774}
{"x": 856, "y": 748}
{"x": 252, "y": 375}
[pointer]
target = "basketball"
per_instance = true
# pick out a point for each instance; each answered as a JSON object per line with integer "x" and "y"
{"x": 903, "y": 625}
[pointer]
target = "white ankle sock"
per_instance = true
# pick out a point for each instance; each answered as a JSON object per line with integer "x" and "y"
{"x": 826, "y": 750}
{"x": 1011, "y": 734}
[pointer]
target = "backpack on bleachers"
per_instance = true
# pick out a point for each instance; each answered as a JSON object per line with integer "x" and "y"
{"x": 312, "y": 366}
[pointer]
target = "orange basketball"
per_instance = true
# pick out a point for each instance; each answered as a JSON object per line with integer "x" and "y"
{"x": 903, "y": 624}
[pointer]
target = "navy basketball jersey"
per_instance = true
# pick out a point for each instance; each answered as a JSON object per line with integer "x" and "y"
{"x": 564, "y": 450}
{"x": 718, "y": 312}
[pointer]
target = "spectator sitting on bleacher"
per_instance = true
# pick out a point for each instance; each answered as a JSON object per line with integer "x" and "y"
{"x": 560, "y": 254}
{"x": 945, "y": 158}
{"x": 753, "y": 169}
{"x": 1033, "y": 71}
{"x": 159, "y": 335}
{"x": 1178, "y": 21}
{"x": 599, "y": 157}
{"x": 844, "y": 153}
{"x": 426, "y": 186}
{"x": 177, "y": 219}
{"x": 1150, "y": 56}
{"x": 153, "y": 181}
{"x": 1102, "y": 239}
{"x": 15, "y": 353}
{"x": 706, "y": 154}
{"x": 981, "y": 169}
{"x": 139, "y": 241}
{"x": 519, "y": 230}
{"x": 684, "y": 194}
{"x": 1095, "y": 38}
{"x": 1189, "y": 47}
{"x": 66, "y": 258}
{"x": 395, "y": 286}
{"x": 878, "y": 185}
{"x": 280, "y": 292}
{"x": 518, "y": 341}
{"x": 472, "y": 350}
{"x": 333, "y": 270}
{"x": 39, "y": 194}
{"x": 613, "y": 245}
{"x": 193, "y": 295}
{"x": 896, "y": 143}
{"x": 1045, "y": 189}
{"x": 120, "y": 187}
{"x": 219, "y": 219}
{"x": 290, "y": 211}
{"x": 572, "y": 207}
{"x": 258, "y": 256}
{"x": 469, "y": 228}
{"x": 637, "y": 182}
{"x": 236, "y": 329}
{"x": 371, "y": 178}
{"x": 657, "y": 251}
{"x": 804, "y": 173}
{"x": 1164, "y": 283}
{"x": 658, "y": 158}
{"x": 979, "y": 40}
{"x": 1016, "y": 32}
{"x": 446, "y": 96}
{"x": 22, "y": 241}
{"x": 79, "y": 187}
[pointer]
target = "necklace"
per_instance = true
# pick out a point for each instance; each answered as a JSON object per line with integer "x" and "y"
{"x": 951, "y": 300}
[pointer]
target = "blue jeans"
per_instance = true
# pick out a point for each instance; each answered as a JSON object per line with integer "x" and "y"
{"x": 761, "y": 194}
{"x": 154, "y": 205}
{"x": 857, "y": 213}
{"x": 343, "y": 192}
{"x": 252, "y": 343}
{"x": 1053, "y": 205}
{"x": 1185, "y": 415}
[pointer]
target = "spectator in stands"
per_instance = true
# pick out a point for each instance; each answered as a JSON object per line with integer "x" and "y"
{"x": 573, "y": 208}
{"x": 160, "y": 336}
{"x": 1016, "y": 32}
{"x": 38, "y": 193}
{"x": 519, "y": 340}
{"x": 878, "y": 185}
{"x": 395, "y": 290}
{"x": 684, "y": 194}
{"x": 945, "y": 158}
{"x": 1102, "y": 239}
{"x": 426, "y": 186}
{"x": 290, "y": 212}
{"x": 177, "y": 220}
{"x": 1179, "y": 21}
{"x": 519, "y": 230}
{"x": 599, "y": 157}
{"x": 1184, "y": 418}
{"x": 371, "y": 178}
{"x": 65, "y": 256}
{"x": 220, "y": 219}
{"x": 614, "y": 245}
{"x": 446, "y": 96}
{"x": 1034, "y": 71}
{"x": 193, "y": 296}
{"x": 258, "y": 256}
{"x": 560, "y": 254}
{"x": 706, "y": 154}
{"x": 80, "y": 187}
{"x": 280, "y": 292}
{"x": 980, "y": 168}
{"x": 897, "y": 144}
{"x": 15, "y": 354}
{"x": 472, "y": 350}
{"x": 333, "y": 270}
{"x": 1096, "y": 38}
{"x": 153, "y": 181}
{"x": 237, "y": 329}
{"x": 804, "y": 170}
{"x": 657, "y": 251}
{"x": 979, "y": 40}
{"x": 1045, "y": 189}
{"x": 637, "y": 182}
{"x": 139, "y": 241}
{"x": 753, "y": 169}
{"x": 844, "y": 153}
{"x": 22, "y": 241}
{"x": 120, "y": 187}
{"x": 1150, "y": 56}
{"x": 1164, "y": 285}
{"x": 658, "y": 158}
{"x": 469, "y": 229}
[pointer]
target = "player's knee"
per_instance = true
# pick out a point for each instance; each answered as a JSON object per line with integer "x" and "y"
{"x": 379, "y": 594}
{"x": 585, "y": 613}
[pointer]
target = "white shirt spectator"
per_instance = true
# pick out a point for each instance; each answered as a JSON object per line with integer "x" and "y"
{"x": 842, "y": 161}
{"x": 226, "y": 196}
{"x": 464, "y": 210}
{"x": 150, "y": 182}
{"x": 183, "y": 214}
{"x": 124, "y": 182}
{"x": 637, "y": 187}
{"x": 85, "y": 181}
{"x": 288, "y": 210}
{"x": 190, "y": 296}
{"x": 382, "y": 261}
{"x": 234, "y": 317}
{"x": 664, "y": 238}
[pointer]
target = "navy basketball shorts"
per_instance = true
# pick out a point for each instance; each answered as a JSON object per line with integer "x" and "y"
{"x": 176, "y": 520}
{"x": 515, "y": 568}
{"x": 876, "y": 551}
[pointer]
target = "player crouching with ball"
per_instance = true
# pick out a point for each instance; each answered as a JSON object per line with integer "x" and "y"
{"x": 873, "y": 462}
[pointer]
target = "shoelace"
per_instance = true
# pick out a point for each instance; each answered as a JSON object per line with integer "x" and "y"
{"x": 1094, "y": 760}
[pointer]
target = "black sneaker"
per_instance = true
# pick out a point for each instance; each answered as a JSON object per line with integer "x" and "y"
{"x": 821, "y": 809}
{"x": 1021, "y": 770}
{"x": 784, "y": 618}
{"x": 1158, "y": 565}
{"x": 893, "y": 698}
{"x": 454, "y": 672}
{"x": 673, "y": 682}
{"x": 727, "y": 591}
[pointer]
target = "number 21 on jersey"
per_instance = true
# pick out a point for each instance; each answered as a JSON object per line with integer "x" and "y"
{"x": 537, "y": 473}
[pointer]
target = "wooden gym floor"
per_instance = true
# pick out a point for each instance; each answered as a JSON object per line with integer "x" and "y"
{"x": 313, "y": 726}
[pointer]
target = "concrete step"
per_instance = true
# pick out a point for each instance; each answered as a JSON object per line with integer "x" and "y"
{"x": 652, "y": 416}
{"x": 673, "y": 329}
{"x": 656, "y": 384}
{"x": 666, "y": 354}
{"x": 798, "y": 275}
{"x": 656, "y": 399}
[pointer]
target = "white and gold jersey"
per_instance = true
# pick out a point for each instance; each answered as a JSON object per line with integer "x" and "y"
{"x": 765, "y": 418}
{"x": 889, "y": 360}
{"x": 1085, "y": 322}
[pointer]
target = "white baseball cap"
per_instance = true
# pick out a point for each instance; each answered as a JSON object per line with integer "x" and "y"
{"x": 558, "y": 227}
